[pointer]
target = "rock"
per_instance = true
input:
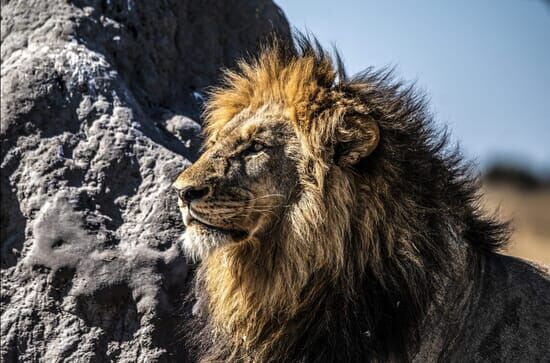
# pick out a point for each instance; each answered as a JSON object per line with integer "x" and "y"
{"x": 100, "y": 111}
{"x": 185, "y": 130}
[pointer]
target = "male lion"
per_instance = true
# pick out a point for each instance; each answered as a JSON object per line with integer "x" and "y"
{"x": 334, "y": 226}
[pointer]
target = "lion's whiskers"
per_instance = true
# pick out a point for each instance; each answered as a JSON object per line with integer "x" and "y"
{"x": 263, "y": 197}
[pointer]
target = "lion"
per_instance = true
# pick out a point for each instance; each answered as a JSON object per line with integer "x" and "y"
{"x": 333, "y": 224}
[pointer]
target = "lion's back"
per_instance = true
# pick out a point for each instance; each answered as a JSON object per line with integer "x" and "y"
{"x": 509, "y": 320}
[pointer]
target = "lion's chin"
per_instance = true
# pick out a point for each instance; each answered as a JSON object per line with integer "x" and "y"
{"x": 199, "y": 240}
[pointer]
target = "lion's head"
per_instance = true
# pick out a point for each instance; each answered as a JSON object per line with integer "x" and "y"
{"x": 272, "y": 163}
{"x": 318, "y": 199}
{"x": 240, "y": 187}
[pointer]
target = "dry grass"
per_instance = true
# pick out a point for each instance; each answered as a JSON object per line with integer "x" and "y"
{"x": 529, "y": 211}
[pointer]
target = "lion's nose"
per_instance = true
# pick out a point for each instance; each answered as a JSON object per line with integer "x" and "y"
{"x": 191, "y": 193}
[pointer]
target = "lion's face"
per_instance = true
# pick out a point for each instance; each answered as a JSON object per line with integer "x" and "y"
{"x": 239, "y": 188}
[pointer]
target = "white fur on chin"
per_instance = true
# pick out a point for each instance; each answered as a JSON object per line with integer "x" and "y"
{"x": 197, "y": 242}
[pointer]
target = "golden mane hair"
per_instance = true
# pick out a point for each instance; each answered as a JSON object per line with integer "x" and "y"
{"x": 360, "y": 256}
{"x": 301, "y": 85}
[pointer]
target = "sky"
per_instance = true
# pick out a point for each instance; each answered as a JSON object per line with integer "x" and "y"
{"x": 484, "y": 65}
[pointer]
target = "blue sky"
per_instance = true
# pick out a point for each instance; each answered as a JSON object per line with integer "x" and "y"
{"x": 485, "y": 65}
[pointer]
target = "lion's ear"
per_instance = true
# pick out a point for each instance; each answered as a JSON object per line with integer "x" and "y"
{"x": 356, "y": 138}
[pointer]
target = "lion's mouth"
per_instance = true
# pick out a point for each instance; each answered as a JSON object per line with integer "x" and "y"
{"x": 192, "y": 218}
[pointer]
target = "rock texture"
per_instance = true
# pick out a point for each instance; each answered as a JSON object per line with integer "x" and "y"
{"x": 100, "y": 108}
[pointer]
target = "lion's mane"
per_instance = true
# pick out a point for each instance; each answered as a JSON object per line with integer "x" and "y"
{"x": 366, "y": 248}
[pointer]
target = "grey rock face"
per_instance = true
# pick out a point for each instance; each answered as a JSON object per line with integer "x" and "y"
{"x": 100, "y": 112}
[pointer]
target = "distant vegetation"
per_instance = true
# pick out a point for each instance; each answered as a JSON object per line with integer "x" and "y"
{"x": 515, "y": 175}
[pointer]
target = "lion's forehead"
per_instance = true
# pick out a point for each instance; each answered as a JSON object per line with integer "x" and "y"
{"x": 267, "y": 124}
{"x": 270, "y": 120}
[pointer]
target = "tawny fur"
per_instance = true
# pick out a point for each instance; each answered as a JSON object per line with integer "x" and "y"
{"x": 352, "y": 263}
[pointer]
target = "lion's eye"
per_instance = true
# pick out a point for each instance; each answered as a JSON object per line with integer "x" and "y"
{"x": 257, "y": 147}
{"x": 254, "y": 147}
